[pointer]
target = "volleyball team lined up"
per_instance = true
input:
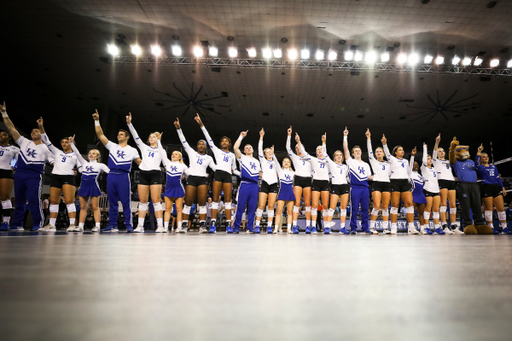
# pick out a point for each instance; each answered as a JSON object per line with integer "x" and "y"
{"x": 265, "y": 183}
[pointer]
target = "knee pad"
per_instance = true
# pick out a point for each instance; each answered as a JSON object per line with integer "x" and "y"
{"x": 442, "y": 209}
{"x": 202, "y": 209}
{"x": 308, "y": 208}
{"x": 502, "y": 216}
{"x": 227, "y": 205}
{"x": 394, "y": 210}
{"x": 488, "y": 215}
{"x": 270, "y": 213}
{"x": 409, "y": 210}
{"x": 259, "y": 213}
{"x": 157, "y": 206}
{"x": 375, "y": 212}
{"x": 215, "y": 205}
{"x": 453, "y": 210}
{"x": 71, "y": 208}
{"x": 331, "y": 212}
{"x": 385, "y": 213}
{"x": 325, "y": 213}
{"x": 426, "y": 215}
{"x": 435, "y": 215}
{"x": 343, "y": 213}
{"x": 296, "y": 209}
{"x": 143, "y": 207}
{"x": 186, "y": 210}
{"x": 54, "y": 208}
{"x": 6, "y": 204}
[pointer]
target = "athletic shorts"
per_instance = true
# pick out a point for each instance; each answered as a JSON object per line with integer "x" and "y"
{"x": 491, "y": 190}
{"x": 340, "y": 189}
{"x": 148, "y": 178}
{"x": 197, "y": 181}
{"x": 448, "y": 184}
{"x": 430, "y": 194}
{"x": 381, "y": 186}
{"x": 222, "y": 176}
{"x": 302, "y": 181}
{"x": 266, "y": 188}
{"x": 320, "y": 185}
{"x": 59, "y": 180}
{"x": 6, "y": 174}
{"x": 400, "y": 185}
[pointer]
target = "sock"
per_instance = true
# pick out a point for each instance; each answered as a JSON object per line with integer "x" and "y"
{"x": 166, "y": 224}
{"x": 81, "y": 225}
{"x": 394, "y": 226}
{"x": 159, "y": 221}
{"x": 98, "y": 225}
{"x": 52, "y": 221}
{"x": 141, "y": 221}
{"x": 372, "y": 224}
{"x": 180, "y": 223}
{"x": 288, "y": 227}
{"x": 342, "y": 225}
{"x": 258, "y": 223}
{"x": 72, "y": 221}
{"x": 313, "y": 224}
{"x": 295, "y": 223}
{"x": 385, "y": 224}
{"x": 411, "y": 226}
{"x": 6, "y": 219}
{"x": 437, "y": 226}
{"x": 228, "y": 222}
{"x": 308, "y": 223}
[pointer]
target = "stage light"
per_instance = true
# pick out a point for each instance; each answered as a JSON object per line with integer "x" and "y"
{"x": 402, "y": 58}
{"x": 509, "y": 64}
{"x": 176, "y": 50}
{"x": 358, "y": 56}
{"x": 466, "y": 61}
{"x": 428, "y": 59}
{"x": 371, "y": 57}
{"x": 304, "y": 54}
{"x": 349, "y": 55}
{"x": 384, "y": 57}
{"x": 495, "y": 62}
{"x": 455, "y": 60}
{"x": 232, "y": 52}
{"x": 113, "y": 50}
{"x": 198, "y": 51}
{"x": 267, "y": 53}
{"x": 293, "y": 54}
{"x": 320, "y": 54}
{"x": 136, "y": 50}
{"x": 214, "y": 52}
{"x": 478, "y": 61}
{"x": 414, "y": 58}
{"x": 278, "y": 53}
{"x": 332, "y": 55}
{"x": 156, "y": 50}
{"x": 251, "y": 52}
{"x": 439, "y": 60}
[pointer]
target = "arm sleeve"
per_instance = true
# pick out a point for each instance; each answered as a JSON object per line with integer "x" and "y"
{"x": 104, "y": 168}
{"x": 79, "y": 156}
{"x": 434, "y": 154}
{"x": 208, "y": 138}
{"x": 411, "y": 163}
{"x": 288, "y": 146}
{"x": 499, "y": 180}
{"x": 386, "y": 151}
{"x": 163, "y": 154}
{"x": 50, "y": 158}
{"x": 260, "y": 149}
{"x": 48, "y": 143}
{"x": 187, "y": 147}
{"x": 477, "y": 161}
{"x": 142, "y": 146}
{"x": 370, "y": 150}
{"x": 425, "y": 156}
{"x": 303, "y": 152}
{"x": 278, "y": 166}
{"x": 15, "y": 157}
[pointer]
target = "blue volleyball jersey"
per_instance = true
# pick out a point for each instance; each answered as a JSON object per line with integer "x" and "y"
{"x": 489, "y": 174}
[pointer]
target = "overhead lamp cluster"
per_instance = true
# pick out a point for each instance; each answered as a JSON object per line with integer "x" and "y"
{"x": 370, "y": 57}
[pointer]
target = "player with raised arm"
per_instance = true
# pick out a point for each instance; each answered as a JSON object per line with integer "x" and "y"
{"x": 285, "y": 195}
{"x": 418, "y": 197}
{"x": 8, "y": 152}
{"x": 359, "y": 189}
{"x": 150, "y": 177}
{"x": 120, "y": 161}
{"x": 247, "y": 195}
{"x": 197, "y": 181}
{"x": 222, "y": 178}
{"x": 32, "y": 158}
{"x": 89, "y": 188}
{"x": 431, "y": 191}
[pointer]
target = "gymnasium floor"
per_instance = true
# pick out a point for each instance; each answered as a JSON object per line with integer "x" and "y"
{"x": 254, "y": 287}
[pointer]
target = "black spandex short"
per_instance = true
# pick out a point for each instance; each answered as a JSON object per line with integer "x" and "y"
{"x": 450, "y": 185}
{"x": 197, "y": 181}
{"x": 148, "y": 178}
{"x": 381, "y": 186}
{"x": 266, "y": 188}
{"x": 222, "y": 176}
{"x": 320, "y": 185}
{"x": 302, "y": 181}
{"x": 400, "y": 185}
{"x": 6, "y": 174}
{"x": 59, "y": 180}
{"x": 340, "y": 189}
{"x": 491, "y": 190}
{"x": 430, "y": 194}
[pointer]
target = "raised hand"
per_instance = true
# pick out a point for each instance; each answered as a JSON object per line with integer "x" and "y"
{"x": 384, "y": 140}
{"x": 3, "y": 108}
{"x": 40, "y": 122}
{"x": 414, "y": 151}
{"x": 454, "y": 144}
{"x": 297, "y": 138}
{"x": 345, "y": 132}
{"x": 289, "y": 131}
{"x": 481, "y": 148}
{"x": 71, "y": 139}
{"x": 129, "y": 118}
{"x": 177, "y": 123}
{"x": 272, "y": 149}
{"x": 198, "y": 120}
{"x": 159, "y": 135}
{"x": 262, "y": 132}
{"x": 438, "y": 138}
{"x": 324, "y": 138}
{"x": 96, "y": 115}
{"x": 368, "y": 134}
{"x": 424, "y": 144}
{"x": 244, "y": 133}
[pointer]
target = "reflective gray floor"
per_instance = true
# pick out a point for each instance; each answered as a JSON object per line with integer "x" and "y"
{"x": 204, "y": 287}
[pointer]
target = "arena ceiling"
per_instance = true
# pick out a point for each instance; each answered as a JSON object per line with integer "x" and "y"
{"x": 54, "y": 62}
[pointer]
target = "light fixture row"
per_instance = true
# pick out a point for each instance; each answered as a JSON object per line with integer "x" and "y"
{"x": 370, "y": 57}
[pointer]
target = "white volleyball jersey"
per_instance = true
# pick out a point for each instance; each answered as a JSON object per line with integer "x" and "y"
{"x": 225, "y": 161}
{"x": 359, "y": 172}
{"x": 268, "y": 167}
{"x": 381, "y": 169}
{"x": 198, "y": 162}
{"x": 120, "y": 158}
{"x": 429, "y": 174}
{"x": 320, "y": 166}
{"x": 33, "y": 157}
{"x": 172, "y": 168}
{"x": 7, "y": 154}
{"x": 286, "y": 175}
{"x": 339, "y": 172}
{"x": 90, "y": 169}
{"x": 65, "y": 163}
{"x": 302, "y": 167}
{"x": 151, "y": 158}
{"x": 399, "y": 167}
{"x": 442, "y": 167}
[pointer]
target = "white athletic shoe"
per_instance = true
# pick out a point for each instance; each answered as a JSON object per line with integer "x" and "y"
{"x": 114, "y": 230}
{"x": 49, "y": 228}
{"x": 181, "y": 230}
{"x": 374, "y": 231}
{"x": 95, "y": 229}
{"x": 203, "y": 230}
{"x": 447, "y": 231}
{"x": 393, "y": 230}
{"x": 139, "y": 229}
{"x": 422, "y": 230}
{"x": 458, "y": 231}
{"x": 79, "y": 229}
{"x": 160, "y": 229}
{"x": 412, "y": 230}
{"x": 386, "y": 231}
{"x": 71, "y": 228}
{"x": 289, "y": 231}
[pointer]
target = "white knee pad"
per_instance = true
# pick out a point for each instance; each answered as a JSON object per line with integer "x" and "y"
{"x": 308, "y": 208}
{"x": 215, "y": 205}
{"x": 331, "y": 212}
{"x": 426, "y": 215}
{"x": 54, "y": 208}
{"x": 259, "y": 212}
{"x": 453, "y": 210}
{"x": 375, "y": 212}
{"x": 186, "y": 210}
{"x": 394, "y": 210}
{"x": 343, "y": 213}
{"x": 325, "y": 213}
{"x": 385, "y": 213}
{"x": 202, "y": 209}
{"x": 270, "y": 213}
{"x": 296, "y": 209}
{"x": 157, "y": 206}
{"x": 435, "y": 215}
{"x": 442, "y": 209}
{"x": 409, "y": 210}
{"x": 227, "y": 206}
{"x": 488, "y": 215}
{"x": 502, "y": 216}
{"x": 143, "y": 207}
{"x": 71, "y": 208}
{"x": 6, "y": 204}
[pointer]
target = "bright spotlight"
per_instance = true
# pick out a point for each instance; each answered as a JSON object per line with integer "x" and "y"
{"x": 358, "y": 56}
{"x": 232, "y": 52}
{"x": 439, "y": 60}
{"x": 176, "y": 50}
{"x": 332, "y": 55}
{"x": 293, "y": 54}
{"x": 414, "y": 58}
{"x": 509, "y": 64}
{"x": 402, "y": 58}
{"x": 466, "y": 61}
{"x": 198, "y": 51}
{"x": 251, "y": 52}
{"x": 278, "y": 53}
{"x": 113, "y": 50}
{"x": 384, "y": 57}
{"x": 371, "y": 57}
{"x": 320, "y": 54}
{"x": 349, "y": 55}
{"x": 304, "y": 54}
{"x": 156, "y": 50}
{"x": 267, "y": 53}
{"x": 136, "y": 50}
{"x": 495, "y": 62}
{"x": 428, "y": 59}
{"x": 214, "y": 52}
{"x": 455, "y": 60}
{"x": 478, "y": 61}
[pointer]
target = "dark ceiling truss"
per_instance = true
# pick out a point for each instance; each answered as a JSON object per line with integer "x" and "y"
{"x": 310, "y": 65}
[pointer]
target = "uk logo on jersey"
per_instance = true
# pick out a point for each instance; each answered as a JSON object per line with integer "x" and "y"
{"x": 31, "y": 152}
{"x": 287, "y": 177}
{"x": 88, "y": 168}
{"x": 174, "y": 168}
{"x": 361, "y": 170}
{"x": 253, "y": 165}
{"x": 120, "y": 154}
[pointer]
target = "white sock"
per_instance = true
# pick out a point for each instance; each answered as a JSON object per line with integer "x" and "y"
{"x": 288, "y": 227}
{"x": 437, "y": 226}
{"x": 394, "y": 226}
{"x": 166, "y": 224}
{"x": 159, "y": 221}
{"x": 179, "y": 224}
{"x": 258, "y": 223}
{"x": 52, "y": 221}
{"x": 141, "y": 221}
{"x": 6, "y": 219}
{"x": 385, "y": 224}
{"x": 308, "y": 223}
{"x": 342, "y": 225}
{"x": 372, "y": 224}
{"x": 504, "y": 225}
{"x": 411, "y": 226}
{"x": 98, "y": 225}
{"x": 295, "y": 223}
{"x": 313, "y": 224}
{"x": 81, "y": 225}
{"x": 72, "y": 221}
